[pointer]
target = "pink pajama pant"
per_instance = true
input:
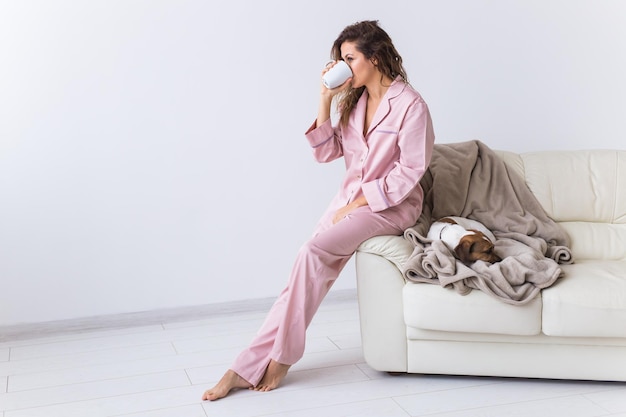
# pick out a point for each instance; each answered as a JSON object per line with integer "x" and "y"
{"x": 317, "y": 266}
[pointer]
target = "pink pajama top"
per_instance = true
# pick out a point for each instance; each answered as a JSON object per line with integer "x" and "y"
{"x": 387, "y": 163}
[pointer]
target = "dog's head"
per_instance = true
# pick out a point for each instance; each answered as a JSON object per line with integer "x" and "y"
{"x": 476, "y": 246}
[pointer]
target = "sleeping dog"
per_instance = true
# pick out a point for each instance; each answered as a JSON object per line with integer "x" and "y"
{"x": 468, "y": 239}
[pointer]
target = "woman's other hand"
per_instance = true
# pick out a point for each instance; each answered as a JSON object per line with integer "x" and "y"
{"x": 343, "y": 212}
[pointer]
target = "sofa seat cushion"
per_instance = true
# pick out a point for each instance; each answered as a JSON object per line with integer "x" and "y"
{"x": 590, "y": 301}
{"x": 432, "y": 307}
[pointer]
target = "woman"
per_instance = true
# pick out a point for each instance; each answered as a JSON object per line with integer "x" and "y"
{"x": 385, "y": 136}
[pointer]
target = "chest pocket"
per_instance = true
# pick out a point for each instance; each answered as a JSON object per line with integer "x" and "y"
{"x": 383, "y": 139}
{"x": 386, "y": 131}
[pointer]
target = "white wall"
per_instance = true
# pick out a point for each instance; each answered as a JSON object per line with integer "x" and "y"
{"x": 152, "y": 152}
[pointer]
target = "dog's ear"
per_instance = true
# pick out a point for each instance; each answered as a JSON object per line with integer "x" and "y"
{"x": 463, "y": 251}
{"x": 470, "y": 250}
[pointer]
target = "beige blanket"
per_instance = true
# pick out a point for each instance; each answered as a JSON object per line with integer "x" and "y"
{"x": 469, "y": 180}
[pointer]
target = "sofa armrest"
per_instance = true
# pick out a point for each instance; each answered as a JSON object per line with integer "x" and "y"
{"x": 395, "y": 249}
{"x": 379, "y": 287}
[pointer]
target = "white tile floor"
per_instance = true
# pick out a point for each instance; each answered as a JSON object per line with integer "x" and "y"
{"x": 161, "y": 371}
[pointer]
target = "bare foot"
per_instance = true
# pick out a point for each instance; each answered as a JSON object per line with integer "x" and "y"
{"x": 229, "y": 381}
{"x": 274, "y": 374}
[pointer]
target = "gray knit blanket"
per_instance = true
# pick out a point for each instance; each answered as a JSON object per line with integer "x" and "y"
{"x": 468, "y": 179}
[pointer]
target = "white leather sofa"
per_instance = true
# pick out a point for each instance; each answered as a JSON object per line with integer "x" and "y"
{"x": 575, "y": 329}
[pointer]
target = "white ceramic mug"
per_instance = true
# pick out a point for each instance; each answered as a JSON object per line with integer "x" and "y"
{"x": 337, "y": 75}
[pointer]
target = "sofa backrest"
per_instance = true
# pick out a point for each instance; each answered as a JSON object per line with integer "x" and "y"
{"x": 584, "y": 191}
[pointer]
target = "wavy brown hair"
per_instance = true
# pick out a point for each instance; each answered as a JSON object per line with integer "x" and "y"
{"x": 375, "y": 44}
